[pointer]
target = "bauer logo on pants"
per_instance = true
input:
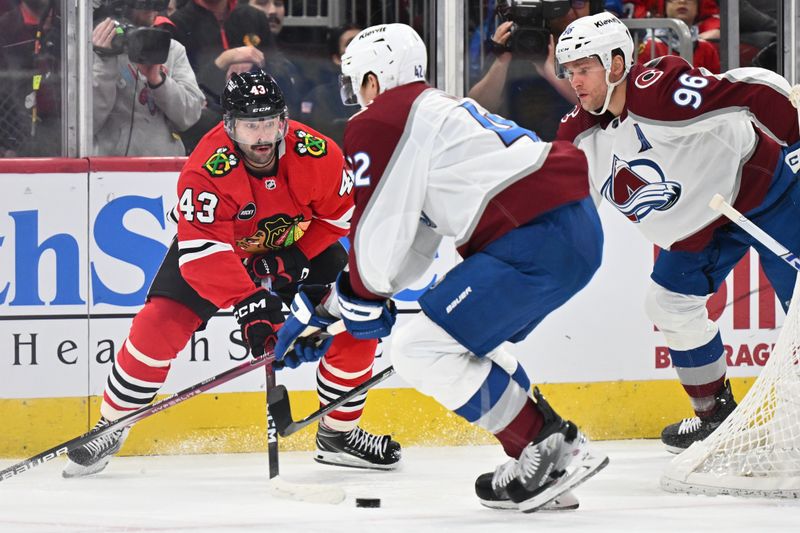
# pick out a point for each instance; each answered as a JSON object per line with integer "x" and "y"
{"x": 792, "y": 159}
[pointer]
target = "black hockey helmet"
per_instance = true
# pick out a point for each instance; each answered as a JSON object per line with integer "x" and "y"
{"x": 254, "y": 101}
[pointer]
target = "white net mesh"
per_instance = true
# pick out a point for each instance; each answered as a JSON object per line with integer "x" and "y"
{"x": 756, "y": 450}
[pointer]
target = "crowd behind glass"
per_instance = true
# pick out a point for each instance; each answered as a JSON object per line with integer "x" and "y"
{"x": 159, "y": 98}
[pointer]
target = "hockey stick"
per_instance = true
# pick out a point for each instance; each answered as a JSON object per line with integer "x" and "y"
{"x": 718, "y": 203}
{"x": 281, "y": 409}
{"x": 278, "y": 487}
{"x": 142, "y": 413}
{"x": 135, "y": 416}
{"x": 272, "y": 434}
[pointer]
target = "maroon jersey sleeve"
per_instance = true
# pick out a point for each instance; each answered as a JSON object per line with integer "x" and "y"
{"x": 670, "y": 89}
{"x": 369, "y": 145}
{"x": 370, "y": 140}
{"x": 575, "y": 123}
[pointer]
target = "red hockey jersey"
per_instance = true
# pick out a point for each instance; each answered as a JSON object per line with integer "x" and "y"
{"x": 227, "y": 214}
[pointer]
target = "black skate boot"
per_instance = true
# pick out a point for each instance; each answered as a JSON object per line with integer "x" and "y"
{"x": 356, "y": 448}
{"x": 558, "y": 460}
{"x": 94, "y": 456}
{"x": 679, "y": 436}
{"x": 491, "y": 490}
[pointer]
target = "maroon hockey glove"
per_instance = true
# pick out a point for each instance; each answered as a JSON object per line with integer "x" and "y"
{"x": 260, "y": 316}
{"x": 282, "y": 267}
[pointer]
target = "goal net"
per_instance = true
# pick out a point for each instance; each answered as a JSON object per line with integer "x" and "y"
{"x": 756, "y": 450}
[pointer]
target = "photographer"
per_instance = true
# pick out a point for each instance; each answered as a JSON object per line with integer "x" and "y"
{"x": 30, "y": 74}
{"x": 145, "y": 91}
{"x": 521, "y": 84}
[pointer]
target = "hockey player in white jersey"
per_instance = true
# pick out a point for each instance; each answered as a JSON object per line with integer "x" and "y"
{"x": 429, "y": 165}
{"x": 661, "y": 139}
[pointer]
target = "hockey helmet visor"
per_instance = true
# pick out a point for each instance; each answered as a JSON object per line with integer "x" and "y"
{"x": 348, "y": 89}
{"x": 257, "y": 130}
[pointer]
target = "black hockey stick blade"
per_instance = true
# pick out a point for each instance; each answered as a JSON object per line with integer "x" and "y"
{"x": 281, "y": 409}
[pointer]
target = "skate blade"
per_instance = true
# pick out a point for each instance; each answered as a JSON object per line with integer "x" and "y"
{"x": 565, "y": 502}
{"x": 674, "y": 449}
{"x": 73, "y": 470}
{"x": 349, "y": 461}
{"x": 589, "y": 464}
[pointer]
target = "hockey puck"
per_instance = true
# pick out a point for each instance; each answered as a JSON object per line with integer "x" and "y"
{"x": 368, "y": 502}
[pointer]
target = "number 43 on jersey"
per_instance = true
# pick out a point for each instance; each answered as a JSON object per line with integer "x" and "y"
{"x": 206, "y": 203}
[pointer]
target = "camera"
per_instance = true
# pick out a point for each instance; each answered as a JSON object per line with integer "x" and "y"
{"x": 530, "y": 31}
{"x": 147, "y": 46}
{"x": 143, "y": 44}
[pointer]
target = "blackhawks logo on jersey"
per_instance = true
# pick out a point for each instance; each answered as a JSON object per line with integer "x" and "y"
{"x": 638, "y": 187}
{"x": 273, "y": 233}
{"x": 220, "y": 163}
{"x": 307, "y": 144}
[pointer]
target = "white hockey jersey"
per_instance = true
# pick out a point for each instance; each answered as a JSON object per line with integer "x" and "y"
{"x": 686, "y": 134}
{"x": 429, "y": 165}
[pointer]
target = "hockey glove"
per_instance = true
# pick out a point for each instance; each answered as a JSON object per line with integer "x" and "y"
{"x": 282, "y": 267}
{"x": 304, "y": 313}
{"x": 364, "y": 319}
{"x": 260, "y": 316}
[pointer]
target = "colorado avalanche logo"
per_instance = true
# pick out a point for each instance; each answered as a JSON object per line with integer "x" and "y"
{"x": 635, "y": 193}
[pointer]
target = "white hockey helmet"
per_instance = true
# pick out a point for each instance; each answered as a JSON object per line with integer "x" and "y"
{"x": 596, "y": 35}
{"x": 394, "y": 53}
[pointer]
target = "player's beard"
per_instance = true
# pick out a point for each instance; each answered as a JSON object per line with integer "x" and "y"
{"x": 258, "y": 156}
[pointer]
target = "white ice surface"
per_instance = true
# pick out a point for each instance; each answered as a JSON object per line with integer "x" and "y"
{"x": 432, "y": 492}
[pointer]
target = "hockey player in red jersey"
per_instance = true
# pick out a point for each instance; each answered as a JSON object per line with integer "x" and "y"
{"x": 431, "y": 166}
{"x": 661, "y": 139}
{"x": 261, "y": 198}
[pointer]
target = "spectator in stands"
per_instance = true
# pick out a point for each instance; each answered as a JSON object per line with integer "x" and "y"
{"x": 664, "y": 42}
{"x": 30, "y": 76}
{"x": 528, "y": 92}
{"x": 199, "y": 27}
{"x": 275, "y": 10}
{"x": 322, "y": 108}
{"x": 140, "y": 109}
{"x": 247, "y": 25}
{"x": 304, "y": 62}
{"x": 708, "y": 22}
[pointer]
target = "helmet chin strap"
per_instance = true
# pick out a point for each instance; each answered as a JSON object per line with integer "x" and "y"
{"x": 361, "y": 101}
{"x": 609, "y": 91}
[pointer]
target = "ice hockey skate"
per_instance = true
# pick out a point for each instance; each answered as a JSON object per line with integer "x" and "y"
{"x": 558, "y": 460}
{"x": 491, "y": 490}
{"x": 94, "y": 456}
{"x": 679, "y": 436}
{"x": 356, "y": 448}
{"x": 546, "y": 471}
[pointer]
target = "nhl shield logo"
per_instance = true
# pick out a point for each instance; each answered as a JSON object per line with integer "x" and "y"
{"x": 638, "y": 187}
{"x": 270, "y": 184}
